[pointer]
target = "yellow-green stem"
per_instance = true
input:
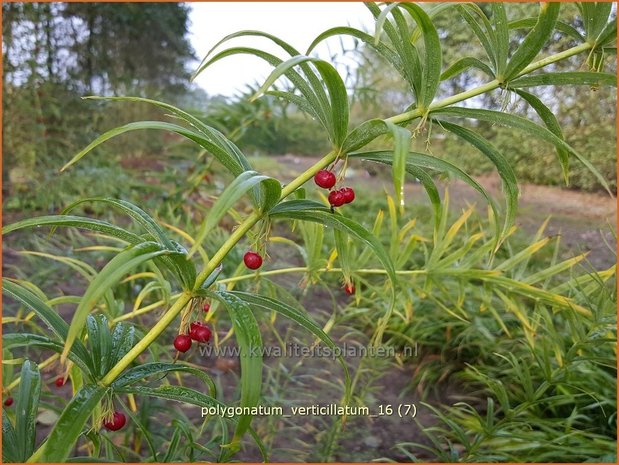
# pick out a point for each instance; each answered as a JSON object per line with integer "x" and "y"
{"x": 185, "y": 297}
{"x": 494, "y": 84}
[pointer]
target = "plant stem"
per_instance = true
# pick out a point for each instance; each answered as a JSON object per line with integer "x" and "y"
{"x": 185, "y": 297}
{"x": 494, "y": 84}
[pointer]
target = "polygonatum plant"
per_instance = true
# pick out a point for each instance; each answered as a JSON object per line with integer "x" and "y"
{"x": 108, "y": 360}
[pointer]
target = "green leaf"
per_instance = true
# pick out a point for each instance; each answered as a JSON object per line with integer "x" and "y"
{"x": 342, "y": 223}
{"x": 250, "y": 343}
{"x": 507, "y": 174}
{"x": 76, "y": 222}
{"x": 99, "y": 342}
{"x": 224, "y": 147}
{"x": 463, "y": 64}
{"x": 160, "y": 368}
{"x": 551, "y": 122}
{"x": 343, "y": 252}
{"x": 574, "y": 78}
{"x": 302, "y": 318}
{"x": 123, "y": 339}
{"x": 432, "y": 54}
{"x": 67, "y": 430}
{"x": 368, "y": 131}
{"x": 335, "y": 113}
{"x": 297, "y": 205}
{"x": 53, "y": 321}
{"x": 13, "y": 340}
{"x": 311, "y": 90}
{"x": 382, "y": 49}
{"x": 608, "y": 36}
{"x": 177, "y": 393}
{"x": 595, "y": 17}
{"x": 235, "y": 190}
{"x": 479, "y": 23}
{"x": 26, "y": 408}
{"x": 501, "y": 30}
{"x": 113, "y": 272}
{"x": 431, "y": 190}
{"x": 223, "y": 153}
{"x": 354, "y": 229}
{"x": 524, "y": 124}
{"x": 10, "y": 446}
{"x": 408, "y": 62}
{"x": 316, "y": 102}
{"x": 534, "y": 41}
{"x": 425, "y": 161}
{"x": 133, "y": 211}
{"x": 567, "y": 29}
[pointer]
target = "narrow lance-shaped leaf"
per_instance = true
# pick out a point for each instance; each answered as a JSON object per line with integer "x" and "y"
{"x": 425, "y": 161}
{"x": 432, "y": 54}
{"x": 465, "y": 63}
{"x": 15, "y": 340}
{"x": 571, "y": 78}
{"x": 408, "y": 61}
{"x": 26, "y": 408}
{"x": 304, "y": 319}
{"x": 507, "y": 174}
{"x": 235, "y": 190}
{"x": 140, "y": 372}
{"x": 10, "y": 445}
{"x": 482, "y": 28}
{"x": 336, "y": 112}
{"x": 524, "y": 124}
{"x": 534, "y": 41}
{"x": 551, "y": 122}
{"x": 133, "y": 211}
{"x": 370, "y": 130}
{"x": 70, "y": 424}
{"x": 595, "y": 17}
{"x": 225, "y": 147}
{"x": 311, "y": 89}
{"x": 76, "y": 222}
{"x": 222, "y": 154}
{"x": 250, "y": 343}
{"x": 356, "y": 230}
{"x": 108, "y": 277}
{"x": 53, "y": 321}
{"x": 527, "y": 23}
{"x": 178, "y": 264}
{"x": 501, "y": 30}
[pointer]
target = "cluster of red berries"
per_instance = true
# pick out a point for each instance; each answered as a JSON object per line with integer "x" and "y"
{"x": 8, "y": 401}
{"x": 326, "y": 179}
{"x": 198, "y": 332}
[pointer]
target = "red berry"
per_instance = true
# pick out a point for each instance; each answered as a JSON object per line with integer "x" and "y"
{"x": 325, "y": 179}
{"x": 117, "y": 421}
{"x": 8, "y": 401}
{"x": 59, "y": 381}
{"x": 348, "y": 193}
{"x": 350, "y": 289}
{"x": 182, "y": 343}
{"x": 252, "y": 260}
{"x": 206, "y": 308}
{"x": 336, "y": 198}
{"x": 199, "y": 332}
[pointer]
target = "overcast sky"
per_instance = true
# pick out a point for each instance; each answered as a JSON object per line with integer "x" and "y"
{"x": 296, "y": 23}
